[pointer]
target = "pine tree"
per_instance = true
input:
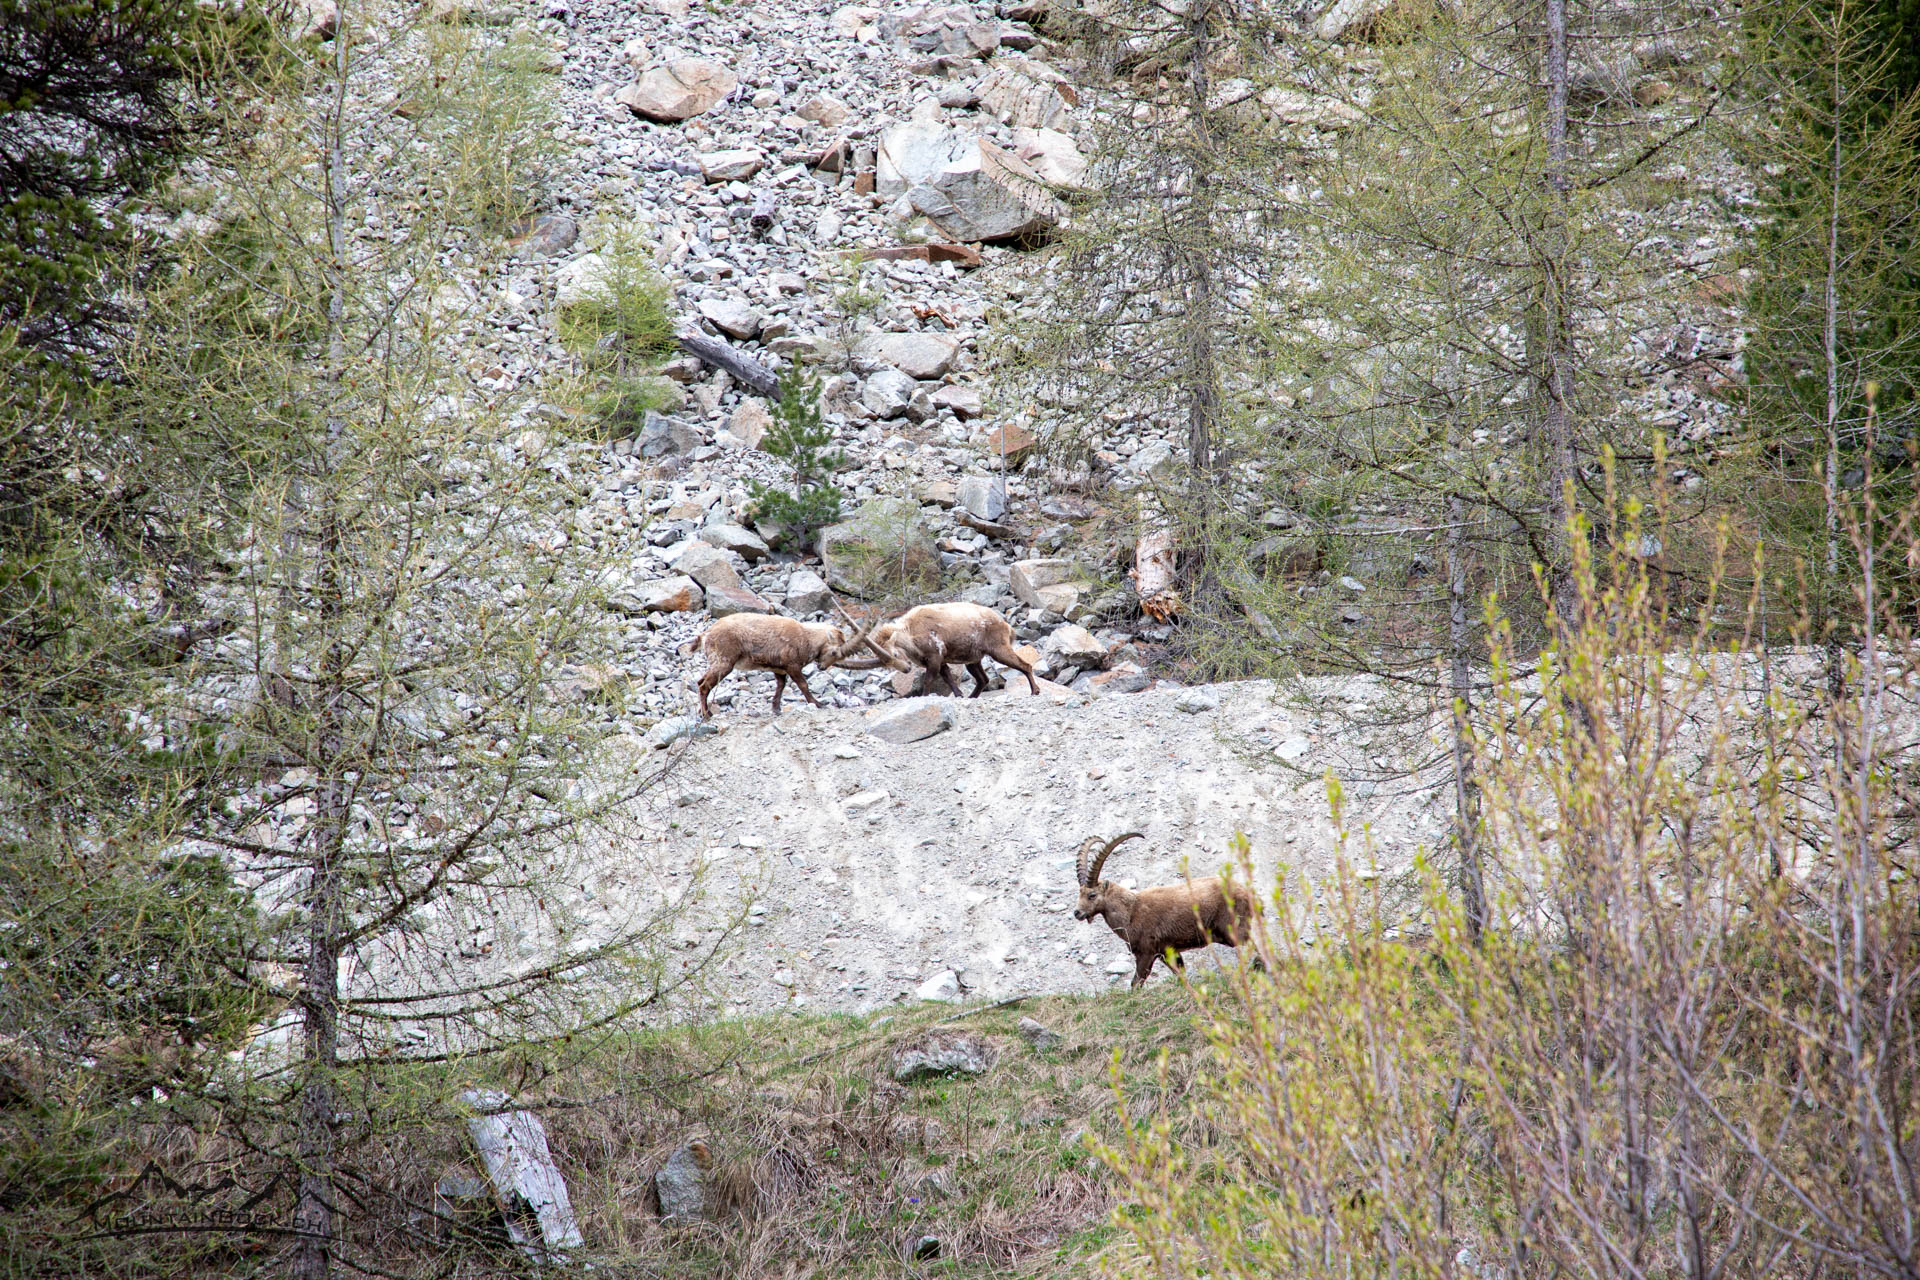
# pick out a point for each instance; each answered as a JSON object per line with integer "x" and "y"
{"x": 810, "y": 501}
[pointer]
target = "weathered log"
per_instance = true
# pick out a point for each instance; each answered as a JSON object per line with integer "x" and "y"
{"x": 513, "y": 1146}
{"x": 766, "y": 207}
{"x": 988, "y": 527}
{"x": 964, "y": 254}
{"x": 746, "y": 371}
{"x": 1154, "y": 572}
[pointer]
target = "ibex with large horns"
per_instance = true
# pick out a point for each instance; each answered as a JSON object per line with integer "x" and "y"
{"x": 1160, "y": 923}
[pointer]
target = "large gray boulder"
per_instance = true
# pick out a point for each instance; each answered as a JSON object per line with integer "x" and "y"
{"x": 1049, "y": 583}
{"x": 706, "y": 564}
{"x": 939, "y": 1055}
{"x": 920, "y": 356}
{"x": 887, "y": 393}
{"x": 982, "y": 496}
{"x": 678, "y": 91}
{"x": 911, "y": 153}
{"x": 989, "y": 193}
{"x": 1026, "y": 93}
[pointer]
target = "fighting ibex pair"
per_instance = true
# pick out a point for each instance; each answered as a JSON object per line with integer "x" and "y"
{"x": 930, "y": 637}
{"x": 1160, "y": 923}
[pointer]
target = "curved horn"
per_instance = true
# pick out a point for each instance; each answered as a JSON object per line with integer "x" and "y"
{"x": 1085, "y": 856}
{"x": 1093, "y": 872}
{"x": 863, "y": 636}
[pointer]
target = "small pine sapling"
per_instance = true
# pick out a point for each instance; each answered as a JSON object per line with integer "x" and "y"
{"x": 801, "y": 440}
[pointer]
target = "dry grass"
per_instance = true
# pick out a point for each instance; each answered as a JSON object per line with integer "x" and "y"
{"x": 823, "y": 1165}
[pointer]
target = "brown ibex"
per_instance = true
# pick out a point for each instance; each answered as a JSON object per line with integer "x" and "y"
{"x": 1167, "y": 919}
{"x": 934, "y": 635}
{"x": 763, "y": 642}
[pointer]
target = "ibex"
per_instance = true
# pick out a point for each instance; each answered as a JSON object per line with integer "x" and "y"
{"x": 1167, "y": 919}
{"x": 762, "y": 642}
{"x": 934, "y": 635}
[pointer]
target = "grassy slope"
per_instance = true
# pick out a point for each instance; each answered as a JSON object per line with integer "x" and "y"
{"x": 824, "y": 1166}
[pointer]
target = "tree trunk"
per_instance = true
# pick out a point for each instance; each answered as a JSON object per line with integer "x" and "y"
{"x": 1202, "y": 378}
{"x": 1466, "y": 789}
{"x": 315, "y": 1217}
{"x": 1554, "y": 365}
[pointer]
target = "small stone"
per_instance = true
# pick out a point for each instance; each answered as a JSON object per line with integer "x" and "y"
{"x": 705, "y": 563}
{"x": 730, "y": 166}
{"x": 807, "y": 592}
{"x": 1293, "y": 749}
{"x": 731, "y": 316}
{"x": 547, "y": 235}
{"x": 750, "y": 422}
{"x": 942, "y": 1055}
{"x": 943, "y": 986}
{"x": 982, "y": 496}
{"x": 680, "y": 1183}
{"x": 1352, "y": 584}
{"x": 1196, "y": 700}
{"x": 911, "y": 724}
{"x": 862, "y": 801}
{"x": 661, "y": 436}
{"x": 1038, "y": 1034}
{"x": 1119, "y": 968}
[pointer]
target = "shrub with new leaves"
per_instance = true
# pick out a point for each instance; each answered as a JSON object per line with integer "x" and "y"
{"x": 810, "y": 500}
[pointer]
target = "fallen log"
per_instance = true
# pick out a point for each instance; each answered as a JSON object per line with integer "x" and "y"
{"x": 938, "y": 251}
{"x": 513, "y": 1146}
{"x": 746, "y": 371}
{"x": 987, "y": 527}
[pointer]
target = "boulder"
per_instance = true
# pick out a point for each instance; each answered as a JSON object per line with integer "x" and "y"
{"x": 730, "y": 166}
{"x": 855, "y": 21}
{"x": 1038, "y": 1034}
{"x": 681, "y": 1184}
{"x": 987, "y": 194}
{"x": 949, "y": 31}
{"x": 911, "y": 153}
{"x": 1073, "y": 645}
{"x": 887, "y": 393}
{"x": 911, "y": 724}
{"x": 731, "y": 316}
{"x": 1046, "y": 583}
{"x": 678, "y": 91}
{"x": 1026, "y": 93}
{"x": 546, "y": 235}
{"x": 725, "y": 601}
{"x": 1154, "y": 458}
{"x": 705, "y": 563}
{"x": 749, "y": 423}
{"x": 1350, "y": 17}
{"x": 807, "y": 592}
{"x": 677, "y": 594}
{"x": 918, "y": 355}
{"x": 942, "y": 1055}
{"x": 661, "y": 436}
{"x": 962, "y": 402}
{"x": 1054, "y": 156}
{"x": 983, "y": 496}
{"x": 742, "y": 542}
{"x": 824, "y": 109}
{"x": 943, "y": 986}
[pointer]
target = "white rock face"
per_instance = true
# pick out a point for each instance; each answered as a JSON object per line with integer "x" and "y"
{"x": 1054, "y": 156}
{"x": 943, "y": 986}
{"x": 678, "y": 91}
{"x": 987, "y": 194}
{"x": 731, "y": 316}
{"x": 911, "y": 153}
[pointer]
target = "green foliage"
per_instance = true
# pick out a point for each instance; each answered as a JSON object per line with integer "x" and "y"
{"x": 1683, "y": 1043}
{"x": 810, "y": 500}
{"x": 625, "y": 317}
{"x": 490, "y": 120}
{"x": 622, "y": 407}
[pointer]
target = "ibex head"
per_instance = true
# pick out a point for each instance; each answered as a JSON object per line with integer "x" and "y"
{"x": 1094, "y": 890}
